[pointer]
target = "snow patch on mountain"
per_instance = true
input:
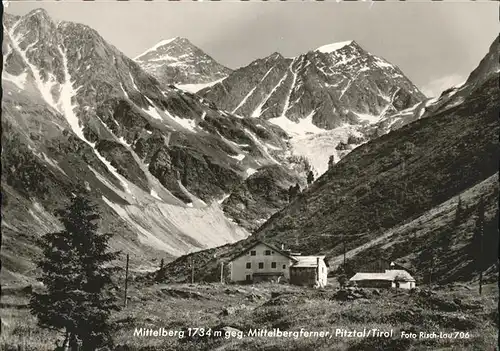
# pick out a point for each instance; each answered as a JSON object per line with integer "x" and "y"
{"x": 287, "y": 101}
{"x": 263, "y": 147}
{"x": 368, "y": 118}
{"x": 66, "y": 107}
{"x": 238, "y": 157}
{"x": 301, "y": 128}
{"x": 155, "y": 194}
{"x": 249, "y": 171}
{"x": 194, "y": 88}
{"x": 258, "y": 111}
{"x": 19, "y": 80}
{"x": 329, "y": 48}
{"x": 223, "y": 198}
{"x": 185, "y": 123}
{"x": 133, "y": 82}
{"x": 124, "y": 92}
{"x": 382, "y": 63}
{"x": 156, "y": 46}
{"x": 317, "y": 148}
{"x": 152, "y": 111}
{"x": 45, "y": 88}
{"x": 242, "y": 102}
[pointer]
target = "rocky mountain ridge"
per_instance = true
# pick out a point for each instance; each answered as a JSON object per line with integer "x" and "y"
{"x": 322, "y": 98}
{"x": 177, "y": 61}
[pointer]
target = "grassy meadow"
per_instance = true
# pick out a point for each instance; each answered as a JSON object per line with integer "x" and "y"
{"x": 177, "y": 307}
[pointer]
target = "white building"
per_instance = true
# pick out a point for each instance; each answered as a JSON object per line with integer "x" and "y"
{"x": 262, "y": 261}
{"x": 391, "y": 278}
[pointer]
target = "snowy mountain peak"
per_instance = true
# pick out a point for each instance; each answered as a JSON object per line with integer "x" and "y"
{"x": 329, "y": 48}
{"x": 275, "y": 55}
{"x": 39, "y": 13}
{"x": 178, "y": 61}
{"x": 157, "y": 46}
{"x": 38, "y": 19}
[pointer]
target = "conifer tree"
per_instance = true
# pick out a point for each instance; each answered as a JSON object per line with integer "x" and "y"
{"x": 331, "y": 162}
{"x": 76, "y": 274}
{"x": 160, "y": 274}
{"x": 341, "y": 278}
{"x": 477, "y": 243}
{"x": 290, "y": 193}
{"x": 297, "y": 189}
{"x": 310, "y": 177}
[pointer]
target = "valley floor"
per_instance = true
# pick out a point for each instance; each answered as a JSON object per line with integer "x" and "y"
{"x": 250, "y": 308}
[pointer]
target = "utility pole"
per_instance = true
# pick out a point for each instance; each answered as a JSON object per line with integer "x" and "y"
{"x": 126, "y": 283}
{"x": 481, "y": 250}
{"x": 222, "y": 272}
{"x": 343, "y": 242}
{"x": 431, "y": 269}
{"x": 344, "y": 247}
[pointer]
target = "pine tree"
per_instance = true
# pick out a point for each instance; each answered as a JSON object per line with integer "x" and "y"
{"x": 76, "y": 274}
{"x": 297, "y": 189}
{"x": 477, "y": 242}
{"x": 290, "y": 193}
{"x": 310, "y": 178}
{"x": 331, "y": 162}
{"x": 428, "y": 258}
{"x": 447, "y": 237}
{"x": 341, "y": 277}
{"x": 160, "y": 274}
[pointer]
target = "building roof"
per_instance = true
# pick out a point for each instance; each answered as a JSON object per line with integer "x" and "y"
{"x": 258, "y": 242}
{"x": 389, "y": 275}
{"x": 381, "y": 264}
{"x": 307, "y": 261}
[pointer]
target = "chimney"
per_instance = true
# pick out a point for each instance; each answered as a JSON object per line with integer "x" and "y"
{"x": 282, "y": 247}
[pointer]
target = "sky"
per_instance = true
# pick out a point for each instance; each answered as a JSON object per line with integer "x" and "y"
{"x": 436, "y": 44}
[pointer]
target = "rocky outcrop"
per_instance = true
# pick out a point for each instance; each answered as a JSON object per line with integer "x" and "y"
{"x": 262, "y": 194}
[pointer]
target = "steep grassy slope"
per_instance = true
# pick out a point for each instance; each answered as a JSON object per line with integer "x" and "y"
{"x": 438, "y": 245}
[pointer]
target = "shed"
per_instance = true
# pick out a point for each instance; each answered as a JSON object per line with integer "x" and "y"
{"x": 395, "y": 278}
{"x": 309, "y": 271}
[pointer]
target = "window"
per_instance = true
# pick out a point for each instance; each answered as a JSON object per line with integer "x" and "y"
{"x": 284, "y": 266}
{"x": 248, "y": 277}
{"x": 253, "y": 253}
{"x": 261, "y": 265}
{"x": 267, "y": 253}
{"x": 273, "y": 264}
{"x": 249, "y": 265}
